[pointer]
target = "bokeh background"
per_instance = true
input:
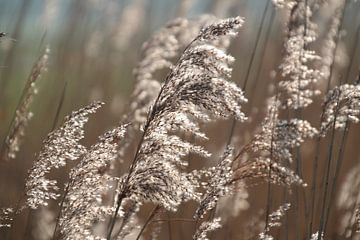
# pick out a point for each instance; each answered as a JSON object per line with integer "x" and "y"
{"x": 94, "y": 46}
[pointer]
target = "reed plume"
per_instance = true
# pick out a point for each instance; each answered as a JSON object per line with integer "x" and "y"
{"x": 195, "y": 89}
{"x": 59, "y": 147}
{"x": 342, "y": 104}
{"x": 274, "y": 221}
{"x": 22, "y": 112}
{"x": 88, "y": 181}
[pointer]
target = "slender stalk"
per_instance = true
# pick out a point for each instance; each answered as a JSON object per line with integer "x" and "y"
{"x": 151, "y": 216}
{"x": 175, "y": 220}
{"x": 58, "y": 110}
{"x": 169, "y": 226}
{"x": 60, "y": 210}
{"x": 269, "y": 196}
{"x": 268, "y": 202}
{"x": 122, "y": 194}
{"x": 286, "y": 228}
{"x": 354, "y": 50}
{"x": 327, "y": 170}
{"x": 257, "y": 40}
{"x": 314, "y": 183}
{"x": 341, "y": 157}
{"x": 28, "y": 223}
{"x": 262, "y": 57}
{"x": 126, "y": 218}
{"x": 328, "y": 165}
{"x": 113, "y": 219}
{"x": 315, "y": 164}
{"x": 250, "y": 66}
{"x": 337, "y": 171}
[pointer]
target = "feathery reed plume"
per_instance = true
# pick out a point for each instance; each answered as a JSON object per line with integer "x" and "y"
{"x": 274, "y": 221}
{"x": 341, "y": 104}
{"x": 218, "y": 184}
{"x": 266, "y": 153}
{"x": 22, "y": 112}
{"x": 268, "y": 150}
{"x": 271, "y": 148}
{"x": 260, "y": 169}
{"x": 60, "y": 145}
{"x": 158, "y": 54}
{"x": 278, "y": 137}
{"x": 195, "y": 89}
{"x": 205, "y": 228}
{"x": 88, "y": 180}
{"x": 299, "y": 76}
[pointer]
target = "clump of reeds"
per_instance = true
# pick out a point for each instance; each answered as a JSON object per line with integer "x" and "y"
{"x": 169, "y": 115}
